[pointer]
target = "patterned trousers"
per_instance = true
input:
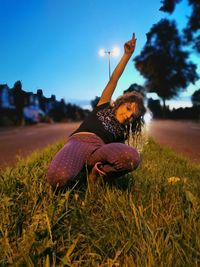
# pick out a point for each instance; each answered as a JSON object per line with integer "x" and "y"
{"x": 116, "y": 158}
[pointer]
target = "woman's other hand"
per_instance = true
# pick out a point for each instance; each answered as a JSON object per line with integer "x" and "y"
{"x": 129, "y": 46}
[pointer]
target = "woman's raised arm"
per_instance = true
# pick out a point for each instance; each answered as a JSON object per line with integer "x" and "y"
{"x": 108, "y": 91}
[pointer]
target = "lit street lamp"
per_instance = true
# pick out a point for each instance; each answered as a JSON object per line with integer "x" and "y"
{"x": 114, "y": 52}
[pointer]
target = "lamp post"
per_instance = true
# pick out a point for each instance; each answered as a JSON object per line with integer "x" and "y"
{"x": 114, "y": 52}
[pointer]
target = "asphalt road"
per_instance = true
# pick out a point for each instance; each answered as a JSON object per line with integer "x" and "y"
{"x": 21, "y": 141}
{"x": 183, "y": 137}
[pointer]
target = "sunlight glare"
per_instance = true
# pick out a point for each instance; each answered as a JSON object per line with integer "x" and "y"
{"x": 115, "y": 51}
{"x": 147, "y": 117}
{"x": 102, "y": 52}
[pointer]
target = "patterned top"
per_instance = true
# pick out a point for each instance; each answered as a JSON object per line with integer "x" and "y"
{"x": 102, "y": 122}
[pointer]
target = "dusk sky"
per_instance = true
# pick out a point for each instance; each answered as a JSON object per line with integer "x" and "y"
{"x": 54, "y": 44}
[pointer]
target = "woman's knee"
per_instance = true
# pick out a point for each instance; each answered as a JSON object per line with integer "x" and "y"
{"x": 130, "y": 158}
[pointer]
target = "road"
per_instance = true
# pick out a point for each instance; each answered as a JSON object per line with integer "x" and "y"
{"x": 183, "y": 137}
{"x": 21, "y": 141}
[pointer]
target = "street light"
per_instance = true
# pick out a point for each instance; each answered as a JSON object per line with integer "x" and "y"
{"x": 114, "y": 52}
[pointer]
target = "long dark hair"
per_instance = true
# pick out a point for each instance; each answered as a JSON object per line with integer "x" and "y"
{"x": 135, "y": 124}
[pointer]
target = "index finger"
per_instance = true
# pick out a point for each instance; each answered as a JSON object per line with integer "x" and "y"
{"x": 133, "y": 36}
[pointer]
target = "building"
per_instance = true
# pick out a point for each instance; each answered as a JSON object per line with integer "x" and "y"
{"x": 6, "y": 98}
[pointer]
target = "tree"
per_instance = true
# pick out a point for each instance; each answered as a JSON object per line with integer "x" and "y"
{"x": 135, "y": 87}
{"x": 196, "y": 98}
{"x": 41, "y": 99}
{"x": 18, "y": 86}
{"x": 192, "y": 29}
{"x": 155, "y": 107}
{"x": 94, "y": 102}
{"x": 163, "y": 63}
{"x": 169, "y": 5}
{"x": 19, "y": 101}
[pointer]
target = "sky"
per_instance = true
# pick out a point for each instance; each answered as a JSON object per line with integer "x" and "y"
{"x": 53, "y": 44}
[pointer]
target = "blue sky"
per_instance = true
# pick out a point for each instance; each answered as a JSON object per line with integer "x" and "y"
{"x": 54, "y": 44}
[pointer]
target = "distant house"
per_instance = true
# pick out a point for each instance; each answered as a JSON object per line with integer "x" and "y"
{"x": 41, "y": 100}
{"x": 7, "y": 108}
{"x": 18, "y": 107}
{"x": 32, "y": 112}
{"x": 6, "y": 98}
{"x": 51, "y": 103}
{"x": 32, "y": 100}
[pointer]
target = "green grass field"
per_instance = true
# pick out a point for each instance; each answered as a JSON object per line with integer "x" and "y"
{"x": 142, "y": 219}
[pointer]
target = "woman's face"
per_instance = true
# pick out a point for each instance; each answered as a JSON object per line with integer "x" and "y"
{"x": 126, "y": 111}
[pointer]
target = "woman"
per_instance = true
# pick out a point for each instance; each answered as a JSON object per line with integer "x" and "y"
{"x": 98, "y": 142}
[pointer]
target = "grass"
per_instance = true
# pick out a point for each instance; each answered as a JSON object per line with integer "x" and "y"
{"x": 140, "y": 220}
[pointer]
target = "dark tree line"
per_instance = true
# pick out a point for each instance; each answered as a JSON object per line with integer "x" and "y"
{"x": 188, "y": 113}
{"x": 196, "y": 98}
